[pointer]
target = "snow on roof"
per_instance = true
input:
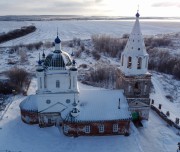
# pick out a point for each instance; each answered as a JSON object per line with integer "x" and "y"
{"x": 102, "y": 105}
{"x": 30, "y": 103}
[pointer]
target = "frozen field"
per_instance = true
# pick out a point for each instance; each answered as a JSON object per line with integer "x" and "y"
{"x": 84, "y": 29}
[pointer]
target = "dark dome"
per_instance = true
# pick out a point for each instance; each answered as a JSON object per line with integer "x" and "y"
{"x": 55, "y": 59}
{"x": 57, "y": 40}
{"x": 137, "y": 14}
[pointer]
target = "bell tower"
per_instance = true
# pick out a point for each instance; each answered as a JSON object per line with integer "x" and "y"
{"x": 135, "y": 79}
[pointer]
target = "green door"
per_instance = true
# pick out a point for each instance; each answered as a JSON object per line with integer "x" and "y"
{"x": 135, "y": 116}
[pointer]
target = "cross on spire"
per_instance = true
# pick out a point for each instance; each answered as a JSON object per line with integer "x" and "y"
{"x": 57, "y": 31}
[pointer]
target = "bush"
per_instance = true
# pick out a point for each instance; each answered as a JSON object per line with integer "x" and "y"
{"x": 18, "y": 77}
{"x": 17, "y": 33}
{"x": 176, "y": 70}
{"x": 108, "y": 45}
{"x": 125, "y": 36}
{"x": 157, "y": 42}
{"x": 78, "y": 53}
{"x": 7, "y": 88}
{"x": 48, "y": 44}
{"x": 103, "y": 75}
{"x": 83, "y": 66}
{"x": 96, "y": 55}
{"x": 163, "y": 61}
{"x": 77, "y": 41}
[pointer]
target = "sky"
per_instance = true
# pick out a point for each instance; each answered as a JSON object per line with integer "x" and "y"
{"x": 147, "y": 8}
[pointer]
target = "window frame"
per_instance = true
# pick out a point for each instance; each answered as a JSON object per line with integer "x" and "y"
{"x": 65, "y": 128}
{"x": 57, "y": 84}
{"x": 115, "y": 127}
{"x": 87, "y": 129}
{"x": 101, "y": 128}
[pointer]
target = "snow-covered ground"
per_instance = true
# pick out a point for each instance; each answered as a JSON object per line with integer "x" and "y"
{"x": 84, "y": 29}
{"x": 18, "y": 136}
{"x": 156, "y": 137}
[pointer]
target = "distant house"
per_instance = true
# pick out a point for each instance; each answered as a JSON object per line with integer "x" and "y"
{"x": 59, "y": 101}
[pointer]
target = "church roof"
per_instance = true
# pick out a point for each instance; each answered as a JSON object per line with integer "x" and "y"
{"x": 101, "y": 105}
{"x": 57, "y": 59}
{"x": 135, "y": 44}
{"x": 29, "y": 104}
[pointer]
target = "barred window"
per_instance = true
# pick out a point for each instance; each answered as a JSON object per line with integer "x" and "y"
{"x": 101, "y": 128}
{"x": 115, "y": 127}
{"x": 66, "y": 128}
{"x": 87, "y": 129}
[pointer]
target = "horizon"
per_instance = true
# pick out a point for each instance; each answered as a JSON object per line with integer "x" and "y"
{"x": 113, "y": 8}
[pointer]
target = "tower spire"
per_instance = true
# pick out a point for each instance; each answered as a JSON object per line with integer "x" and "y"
{"x": 134, "y": 58}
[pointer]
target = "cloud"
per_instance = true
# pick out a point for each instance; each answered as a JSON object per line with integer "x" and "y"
{"x": 166, "y": 4}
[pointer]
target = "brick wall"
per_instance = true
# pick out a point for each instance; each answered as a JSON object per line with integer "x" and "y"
{"x": 78, "y": 129}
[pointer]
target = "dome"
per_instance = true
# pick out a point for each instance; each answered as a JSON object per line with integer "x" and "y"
{"x": 55, "y": 59}
{"x": 137, "y": 14}
{"x": 57, "y": 40}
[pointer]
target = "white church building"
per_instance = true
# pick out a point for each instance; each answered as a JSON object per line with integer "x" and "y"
{"x": 58, "y": 100}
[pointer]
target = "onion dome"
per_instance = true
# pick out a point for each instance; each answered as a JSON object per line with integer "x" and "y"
{"x": 137, "y": 14}
{"x": 73, "y": 68}
{"x": 75, "y": 112}
{"x": 43, "y": 55}
{"x": 72, "y": 54}
{"x": 40, "y": 67}
{"x": 57, "y": 40}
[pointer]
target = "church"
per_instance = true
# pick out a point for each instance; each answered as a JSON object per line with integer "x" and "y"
{"x": 60, "y": 102}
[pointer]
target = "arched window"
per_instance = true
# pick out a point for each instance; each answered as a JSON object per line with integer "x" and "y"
{"x": 145, "y": 87}
{"x": 146, "y": 62}
{"x": 40, "y": 82}
{"x": 122, "y": 60}
{"x": 57, "y": 84}
{"x": 137, "y": 89}
{"x": 139, "y": 63}
{"x": 136, "y": 86}
{"x": 129, "y": 88}
{"x": 129, "y": 65}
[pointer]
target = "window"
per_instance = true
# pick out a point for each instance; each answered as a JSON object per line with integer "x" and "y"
{"x": 48, "y": 101}
{"x": 136, "y": 86}
{"x": 49, "y": 121}
{"x": 122, "y": 60}
{"x": 40, "y": 83}
{"x": 68, "y": 100}
{"x": 66, "y": 128}
{"x": 45, "y": 82}
{"x": 146, "y": 62}
{"x": 57, "y": 84}
{"x": 129, "y": 62}
{"x": 145, "y": 88}
{"x": 139, "y": 63}
{"x": 129, "y": 88}
{"x": 115, "y": 127}
{"x": 73, "y": 82}
{"x": 87, "y": 129}
{"x": 101, "y": 128}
